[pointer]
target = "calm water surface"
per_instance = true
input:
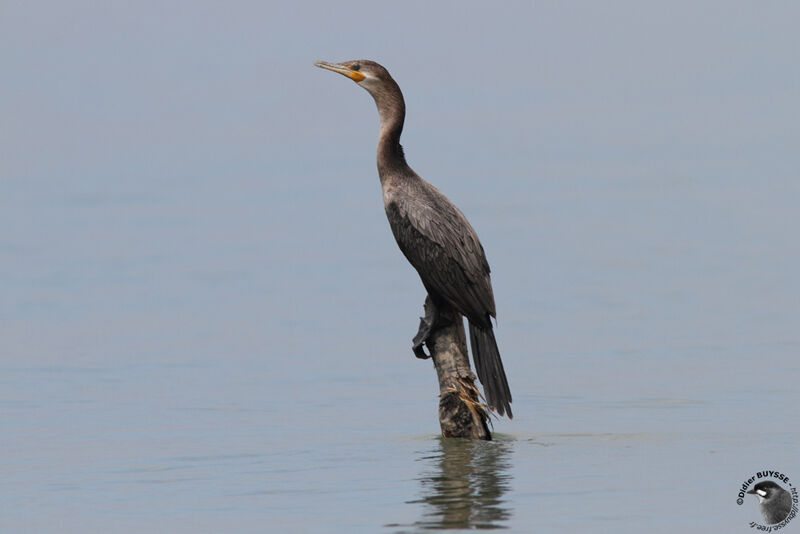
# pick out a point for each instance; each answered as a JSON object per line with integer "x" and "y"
{"x": 153, "y": 386}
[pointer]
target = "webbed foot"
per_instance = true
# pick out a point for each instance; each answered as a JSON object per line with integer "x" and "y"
{"x": 421, "y": 338}
{"x": 426, "y": 325}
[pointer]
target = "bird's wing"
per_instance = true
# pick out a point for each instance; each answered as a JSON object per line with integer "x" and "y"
{"x": 440, "y": 243}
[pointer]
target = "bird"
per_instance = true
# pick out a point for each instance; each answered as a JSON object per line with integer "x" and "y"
{"x": 434, "y": 236}
{"x": 775, "y": 501}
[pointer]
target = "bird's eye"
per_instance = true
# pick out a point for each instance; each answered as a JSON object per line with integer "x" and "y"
{"x": 356, "y": 67}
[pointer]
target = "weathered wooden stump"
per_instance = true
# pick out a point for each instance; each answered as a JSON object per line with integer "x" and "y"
{"x": 461, "y": 412}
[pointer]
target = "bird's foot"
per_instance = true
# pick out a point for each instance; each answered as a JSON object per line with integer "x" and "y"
{"x": 420, "y": 353}
{"x": 421, "y": 338}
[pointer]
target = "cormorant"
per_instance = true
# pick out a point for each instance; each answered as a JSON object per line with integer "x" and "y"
{"x": 433, "y": 235}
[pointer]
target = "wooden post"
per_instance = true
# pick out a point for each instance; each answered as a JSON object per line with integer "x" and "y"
{"x": 461, "y": 414}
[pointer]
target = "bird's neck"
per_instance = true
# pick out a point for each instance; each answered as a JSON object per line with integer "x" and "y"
{"x": 392, "y": 111}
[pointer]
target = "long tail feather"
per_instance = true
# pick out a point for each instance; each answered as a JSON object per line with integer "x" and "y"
{"x": 489, "y": 368}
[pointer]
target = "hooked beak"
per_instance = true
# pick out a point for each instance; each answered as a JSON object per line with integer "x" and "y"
{"x": 341, "y": 69}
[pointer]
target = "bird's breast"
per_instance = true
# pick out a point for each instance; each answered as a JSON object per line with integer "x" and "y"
{"x": 388, "y": 193}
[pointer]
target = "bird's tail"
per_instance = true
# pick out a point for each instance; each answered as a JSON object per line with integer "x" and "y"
{"x": 489, "y": 368}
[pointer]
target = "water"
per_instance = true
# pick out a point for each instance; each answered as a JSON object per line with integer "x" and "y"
{"x": 145, "y": 391}
{"x": 205, "y": 324}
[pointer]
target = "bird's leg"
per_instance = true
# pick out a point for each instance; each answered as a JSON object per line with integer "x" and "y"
{"x": 426, "y": 325}
{"x": 419, "y": 339}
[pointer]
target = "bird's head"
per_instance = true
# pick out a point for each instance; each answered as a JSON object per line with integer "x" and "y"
{"x": 368, "y": 74}
{"x": 766, "y": 490}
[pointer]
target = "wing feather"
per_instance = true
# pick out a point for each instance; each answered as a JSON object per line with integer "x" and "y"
{"x": 443, "y": 247}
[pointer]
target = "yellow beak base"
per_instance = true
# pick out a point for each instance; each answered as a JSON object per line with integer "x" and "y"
{"x": 341, "y": 69}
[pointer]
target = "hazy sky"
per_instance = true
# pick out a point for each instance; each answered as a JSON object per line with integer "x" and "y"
{"x": 90, "y": 86}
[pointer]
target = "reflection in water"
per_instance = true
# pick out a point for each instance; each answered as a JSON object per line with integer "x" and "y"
{"x": 464, "y": 485}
